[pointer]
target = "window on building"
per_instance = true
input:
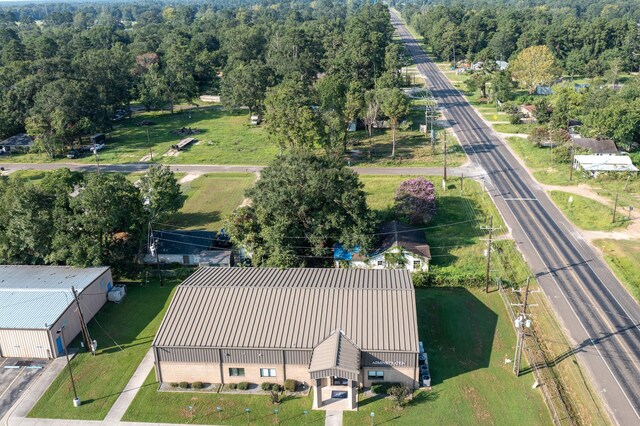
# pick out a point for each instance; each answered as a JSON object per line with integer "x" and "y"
{"x": 375, "y": 375}
{"x": 380, "y": 262}
{"x": 267, "y": 372}
{"x": 236, "y": 372}
{"x": 416, "y": 264}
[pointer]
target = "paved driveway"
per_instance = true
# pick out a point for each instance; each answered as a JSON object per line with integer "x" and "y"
{"x": 15, "y": 377}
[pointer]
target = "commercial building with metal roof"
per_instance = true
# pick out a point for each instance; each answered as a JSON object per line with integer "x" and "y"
{"x": 323, "y": 327}
{"x": 37, "y": 301}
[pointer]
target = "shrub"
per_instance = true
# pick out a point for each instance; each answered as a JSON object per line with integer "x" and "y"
{"x": 173, "y": 384}
{"x": 243, "y": 385}
{"x": 276, "y": 388}
{"x": 183, "y": 385}
{"x": 515, "y": 118}
{"x": 233, "y": 386}
{"x": 266, "y": 386}
{"x": 416, "y": 200}
{"x": 197, "y": 385}
{"x": 399, "y": 395}
{"x": 290, "y": 385}
{"x": 382, "y": 388}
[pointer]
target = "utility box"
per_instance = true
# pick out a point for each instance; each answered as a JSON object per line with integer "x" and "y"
{"x": 117, "y": 293}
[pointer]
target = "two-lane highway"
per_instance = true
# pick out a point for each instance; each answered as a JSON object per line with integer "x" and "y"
{"x": 602, "y": 319}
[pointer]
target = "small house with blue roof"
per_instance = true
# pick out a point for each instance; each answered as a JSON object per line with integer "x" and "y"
{"x": 399, "y": 246}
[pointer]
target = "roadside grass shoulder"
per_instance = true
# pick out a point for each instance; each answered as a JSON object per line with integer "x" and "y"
{"x": 587, "y": 213}
{"x": 150, "y": 405}
{"x": 124, "y": 333}
{"x": 624, "y": 259}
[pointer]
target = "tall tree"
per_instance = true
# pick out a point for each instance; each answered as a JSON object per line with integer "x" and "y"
{"x": 301, "y": 206}
{"x": 395, "y": 105}
{"x": 160, "y": 192}
{"x": 292, "y": 120}
{"x": 534, "y": 66}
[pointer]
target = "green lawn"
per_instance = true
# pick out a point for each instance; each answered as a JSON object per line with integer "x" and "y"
{"x": 624, "y": 259}
{"x": 210, "y": 198}
{"x": 587, "y": 213}
{"x": 100, "y": 379}
{"x": 454, "y": 234}
{"x": 467, "y": 336}
{"x": 150, "y": 405}
{"x": 513, "y": 128}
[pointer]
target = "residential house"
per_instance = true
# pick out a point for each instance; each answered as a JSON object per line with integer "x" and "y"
{"x": 188, "y": 248}
{"x": 17, "y": 143}
{"x": 593, "y": 165}
{"x": 399, "y": 246}
{"x": 594, "y": 145}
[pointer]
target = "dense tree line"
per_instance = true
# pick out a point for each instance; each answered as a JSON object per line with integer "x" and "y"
{"x": 82, "y": 220}
{"x": 584, "y": 36}
{"x": 67, "y": 73}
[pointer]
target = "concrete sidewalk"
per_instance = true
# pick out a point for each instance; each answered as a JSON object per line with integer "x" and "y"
{"x": 333, "y": 418}
{"x": 131, "y": 390}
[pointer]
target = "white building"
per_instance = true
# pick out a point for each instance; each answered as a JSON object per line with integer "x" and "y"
{"x": 603, "y": 163}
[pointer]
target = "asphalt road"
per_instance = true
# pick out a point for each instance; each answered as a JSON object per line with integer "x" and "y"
{"x": 468, "y": 171}
{"x": 601, "y": 318}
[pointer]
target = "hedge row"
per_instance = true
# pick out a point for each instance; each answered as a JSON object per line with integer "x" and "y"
{"x": 187, "y": 385}
{"x": 447, "y": 277}
{"x": 382, "y": 388}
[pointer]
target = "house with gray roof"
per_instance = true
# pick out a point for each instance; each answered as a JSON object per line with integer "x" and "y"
{"x": 331, "y": 329}
{"x": 17, "y": 143}
{"x": 399, "y": 246}
{"x": 37, "y": 302}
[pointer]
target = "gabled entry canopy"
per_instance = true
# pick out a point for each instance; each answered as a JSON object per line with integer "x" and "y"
{"x": 337, "y": 356}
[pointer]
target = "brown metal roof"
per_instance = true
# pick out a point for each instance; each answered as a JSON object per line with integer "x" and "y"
{"x": 410, "y": 238}
{"x": 597, "y": 146}
{"x": 292, "y": 309}
{"x": 336, "y": 352}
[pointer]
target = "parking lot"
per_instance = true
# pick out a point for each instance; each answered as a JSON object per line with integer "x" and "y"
{"x": 15, "y": 377}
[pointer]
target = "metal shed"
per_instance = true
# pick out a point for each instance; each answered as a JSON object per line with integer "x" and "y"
{"x": 37, "y": 301}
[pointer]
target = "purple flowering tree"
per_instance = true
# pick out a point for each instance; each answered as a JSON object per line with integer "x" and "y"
{"x": 416, "y": 200}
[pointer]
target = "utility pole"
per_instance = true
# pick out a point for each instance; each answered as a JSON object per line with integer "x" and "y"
{"x": 489, "y": 228}
{"x": 149, "y": 143}
{"x": 95, "y": 151}
{"x": 521, "y": 323}
{"x": 155, "y": 246}
{"x": 83, "y": 325}
{"x": 615, "y": 207}
{"x": 572, "y": 160}
{"x": 444, "y": 152}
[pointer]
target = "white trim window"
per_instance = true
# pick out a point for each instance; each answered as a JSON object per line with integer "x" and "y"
{"x": 375, "y": 375}
{"x": 417, "y": 264}
{"x": 236, "y": 372}
{"x": 267, "y": 372}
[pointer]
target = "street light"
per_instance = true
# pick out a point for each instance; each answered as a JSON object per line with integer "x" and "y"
{"x": 219, "y": 410}
{"x": 275, "y": 411}
{"x": 76, "y": 400}
{"x": 248, "y": 411}
{"x": 372, "y": 415}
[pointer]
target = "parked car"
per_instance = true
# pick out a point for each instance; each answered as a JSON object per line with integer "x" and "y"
{"x": 97, "y": 147}
{"x": 73, "y": 154}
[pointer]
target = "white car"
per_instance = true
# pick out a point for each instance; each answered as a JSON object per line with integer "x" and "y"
{"x": 97, "y": 147}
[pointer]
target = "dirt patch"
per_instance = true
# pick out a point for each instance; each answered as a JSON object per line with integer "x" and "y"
{"x": 171, "y": 153}
{"x": 188, "y": 178}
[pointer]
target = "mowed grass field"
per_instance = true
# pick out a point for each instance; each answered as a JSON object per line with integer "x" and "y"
{"x": 587, "y": 213}
{"x": 467, "y": 336}
{"x": 124, "y": 333}
{"x": 209, "y": 199}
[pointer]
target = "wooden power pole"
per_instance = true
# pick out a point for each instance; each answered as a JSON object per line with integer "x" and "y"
{"x": 83, "y": 324}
